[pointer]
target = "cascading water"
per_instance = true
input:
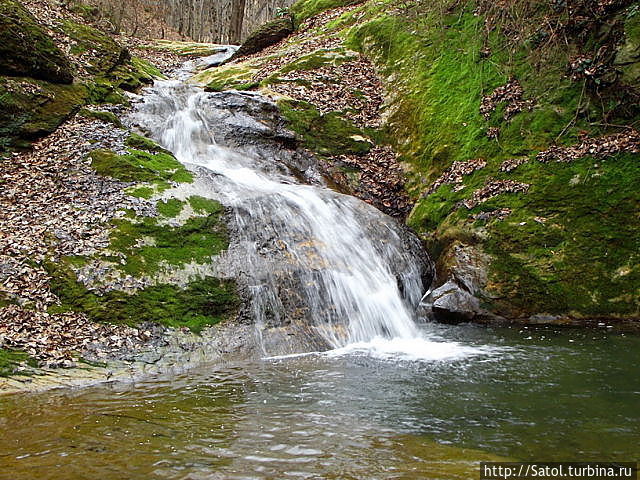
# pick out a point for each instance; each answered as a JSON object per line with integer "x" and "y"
{"x": 310, "y": 257}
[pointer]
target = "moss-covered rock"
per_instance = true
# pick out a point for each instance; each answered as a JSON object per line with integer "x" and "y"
{"x": 562, "y": 248}
{"x": 32, "y": 108}
{"x": 140, "y": 166}
{"x": 106, "y": 117}
{"x": 100, "y": 53}
{"x": 268, "y": 34}
{"x": 203, "y": 302}
{"x": 328, "y": 134}
{"x": 25, "y": 48}
{"x": 13, "y": 362}
{"x": 304, "y": 9}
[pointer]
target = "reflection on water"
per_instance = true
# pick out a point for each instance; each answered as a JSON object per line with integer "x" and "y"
{"x": 540, "y": 395}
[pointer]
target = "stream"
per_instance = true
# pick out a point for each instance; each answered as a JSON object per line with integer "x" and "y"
{"x": 349, "y": 382}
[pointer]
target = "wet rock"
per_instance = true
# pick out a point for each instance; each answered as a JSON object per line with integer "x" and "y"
{"x": 458, "y": 297}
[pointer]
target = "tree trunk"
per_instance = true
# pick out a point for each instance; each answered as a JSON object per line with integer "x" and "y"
{"x": 237, "y": 17}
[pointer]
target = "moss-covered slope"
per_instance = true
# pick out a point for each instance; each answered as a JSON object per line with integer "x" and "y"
{"x": 517, "y": 124}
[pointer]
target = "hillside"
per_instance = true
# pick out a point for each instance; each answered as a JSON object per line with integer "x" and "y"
{"x": 514, "y": 125}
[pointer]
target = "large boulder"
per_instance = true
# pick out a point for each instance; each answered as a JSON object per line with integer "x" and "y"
{"x": 25, "y": 48}
{"x": 268, "y": 34}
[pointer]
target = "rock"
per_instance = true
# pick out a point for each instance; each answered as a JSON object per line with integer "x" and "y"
{"x": 463, "y": 279}
{"x": 452, "y": 304}
{"x": 268, "y": 34}
{"x": 25, "y": 48}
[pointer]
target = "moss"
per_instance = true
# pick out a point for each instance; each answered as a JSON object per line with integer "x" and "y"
{"x": 317, "y": 59}
{"x": 203, "y": 302}
{"x": 148, "y": 246}
{"x": 132, "y": 75}
{"x": 304, "y": 9}
{"x": 101, "y": 90}
{"x": 25, "y": 48}
{"x": 141, "y": 192}
{"x": 12, "y": 361}
{"x": 205, "y": 205}
{"x": 266, "y": 35}
{"x": 88, "y": 12}
{"x": 227, "y": 77}
{"x": 101, "y": 52}
{"x": 140, "y": 166}
{"x": 32, "y": 108}
{"x": 170, "y": 208}
{"x": 327, "y": 134}
{"x": 106, "y": 117}
{"x": 143, "y": 143}
{"x": 536, "y": 265}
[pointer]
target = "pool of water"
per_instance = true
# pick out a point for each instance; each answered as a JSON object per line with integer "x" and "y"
{"x": 522, "y": 394}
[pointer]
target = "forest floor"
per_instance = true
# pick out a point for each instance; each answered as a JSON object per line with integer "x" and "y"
{"x": 55, "y": 205}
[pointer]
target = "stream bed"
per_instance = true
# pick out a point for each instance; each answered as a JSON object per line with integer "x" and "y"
{"x": 483, "y": 394}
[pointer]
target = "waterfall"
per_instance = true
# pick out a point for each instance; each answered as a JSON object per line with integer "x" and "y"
{"x": 307, "y": 253}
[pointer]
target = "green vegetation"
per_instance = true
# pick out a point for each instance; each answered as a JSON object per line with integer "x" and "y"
{"x": 205, "y": 205}
{"x": 25, "y": 48}
{"x": 228, "y": 77}
{"x": 304, "y": 9}
{"x": 102, "y": 52}
{"x": 31, "y": 108}
{"x": 170, "y": 208}
{"x": 203, "y": 302}
{"x": 438, "y": 60}
{"x": 106, "y": 117}
{"x": 149, "y": 247}
{"x": 140, "y": 166}
{"x": 11, "y": 361}
{"x": 327, "y": 134}
{"x": 143, "y": 143}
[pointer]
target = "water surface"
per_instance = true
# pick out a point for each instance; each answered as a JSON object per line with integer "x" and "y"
{"x": 364, "y": 413}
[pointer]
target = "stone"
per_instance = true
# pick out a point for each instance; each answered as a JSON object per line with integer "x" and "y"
{"x": 25, "y": 48}
{"x": 268, "y": 34}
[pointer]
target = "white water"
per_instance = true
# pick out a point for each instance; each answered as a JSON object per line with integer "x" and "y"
{"x": 309, "y": 255}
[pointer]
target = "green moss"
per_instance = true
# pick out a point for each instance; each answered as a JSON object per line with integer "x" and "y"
{"x": 318, "y": 59}
{"x": 205, "y": 205}
{"x": 106, "y": 117}
{"x": 132, "y": 75}
{"x": 101, "y": 90}
{"x": 203, "y": 302}
{"x": 11, "y": 361}
{"x": 141, "y": 192}
{"x": 304, "y": 9}
{"x": 143, "y": 143}
{"x": 100, "y": 50}
{"x": 227, "y": 78}
{"x": 88, "y": 12}
{"x": 536, "y": 265}
{"x": 32, "y": 108}
{"x": 25, "y": 48}
{"x": 148, "y": 246}
{"x": 327, "y": 134}
{"x": 170, "y": 208}
{"x": 140, "y": 166}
